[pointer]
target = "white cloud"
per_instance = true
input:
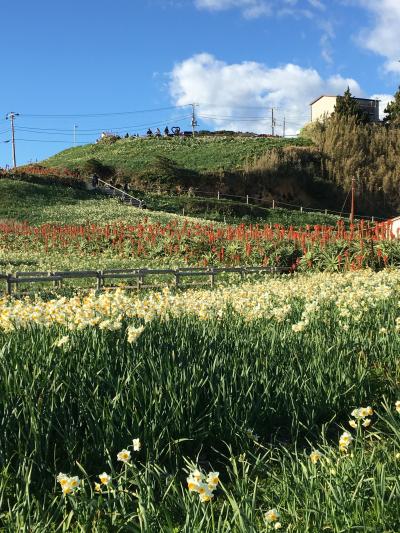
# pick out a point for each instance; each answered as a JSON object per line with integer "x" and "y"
{"x": 383, "y": 35}
{"x": 250, "y": 8}
{"x": 298, "y": 9}
{"x": 258, "y": 8}
{"x": 240, "y": 96}
{"x": 317, "y": 4}
{"x": 384, "y": 99}
{"x": 328, "y": 34}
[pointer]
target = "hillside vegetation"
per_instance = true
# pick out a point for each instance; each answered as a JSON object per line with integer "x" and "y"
{"x": 283, "y": 170}
{"x": 314, "y": 170}
{"x": 37, "y": 203}
{"x": 201, "y": 154}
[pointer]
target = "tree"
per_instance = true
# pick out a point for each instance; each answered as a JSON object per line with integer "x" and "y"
{"x": 392, "y": 111}
{"x": 347, "y": 106}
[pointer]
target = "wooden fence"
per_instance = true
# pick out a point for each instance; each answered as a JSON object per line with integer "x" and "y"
{"x": 139, "y": 275}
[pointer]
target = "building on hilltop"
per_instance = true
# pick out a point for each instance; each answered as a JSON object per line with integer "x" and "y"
{"x": 325, "y": 106}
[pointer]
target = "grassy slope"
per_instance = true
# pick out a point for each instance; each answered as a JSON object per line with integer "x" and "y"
{"x": 209, "y": 154}
{"x": 39, "y": 204}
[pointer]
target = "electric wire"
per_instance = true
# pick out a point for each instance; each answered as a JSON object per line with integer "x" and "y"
{"x": 119, "y": 113}
{"x": 97, "y": 130}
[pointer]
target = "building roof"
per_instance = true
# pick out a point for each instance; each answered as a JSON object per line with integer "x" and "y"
{"x": 337, "y": 95}
{"x": 323, "y": 96}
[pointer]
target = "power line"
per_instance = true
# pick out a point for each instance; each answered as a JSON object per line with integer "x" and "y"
{"x": 96, "y": 130}
{"x": 46, "y": 141}
{"x": 103, "y": 114}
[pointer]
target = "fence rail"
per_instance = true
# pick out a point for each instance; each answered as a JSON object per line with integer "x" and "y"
{"x": 252, "y": 201}
{"x": 139, "y": 275}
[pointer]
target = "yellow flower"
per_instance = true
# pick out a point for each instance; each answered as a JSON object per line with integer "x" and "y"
{"x": 272, "y": 516}
{"x": 277, "y": 525}
{"x": 366, "y": 411}
{"x": 315, "y": 456}
{"x": 136, "y": 445}
{"x": 353, "y": 424}
{"x": 61, "y": 341}
{"x": 67, "y": 489}
{"x": 193, "y": 484}
{"x": 297, "y": 328}
{"x": 206, "y": 496}
{"x": 197, "y": 475}
{"x": 62, "y": 479}
{"x": 68, "y": 484}
{"x": 74, "y": 481}
{"x": 134, "y": 333}
{"x": 344, "y": 441}
{"x": 124, "y": 456}
{"x": 104, "y": 478}
{"x": 205, "y": 493}
{"x": 212, "y": 480}
{"x": 366, "y": 422}
{"x": 97, "y": 487}
{"x": 397, "y": 406}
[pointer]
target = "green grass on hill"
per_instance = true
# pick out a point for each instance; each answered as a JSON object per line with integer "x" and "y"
{"x": 40, "y": 204}
{"x": 202, "y": 154}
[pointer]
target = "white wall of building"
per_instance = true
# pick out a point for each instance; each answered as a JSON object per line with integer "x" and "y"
{"x": 323, "y": 106}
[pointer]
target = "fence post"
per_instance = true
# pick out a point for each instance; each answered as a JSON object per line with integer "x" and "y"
{"x": 177, "y": 279}
{"x": 218, "y": 195}
{"x": 301, "y": 209}
{"x": 326, "y": 211}
{"x": 183, "y": 211}
{"x": 139, "y": 280}
{"x": 99, "y": 279}
{"x": 9, "y": 284}
{"x": 212, "y": 280}
{"x": 372, "y": 219}
{"x": 247, "y": 198}
{"x": 55, "y": 282}
{"x": 273, "y": 204}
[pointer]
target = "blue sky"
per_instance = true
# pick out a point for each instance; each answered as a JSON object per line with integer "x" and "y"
{"x": 236, "y": 58}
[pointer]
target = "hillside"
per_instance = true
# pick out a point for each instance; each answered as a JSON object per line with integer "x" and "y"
{"x": 201, "y": 154}
{"x": 267, "y": 169}
{"x": 41, "y": 204}
{"x": 50, "y": 206}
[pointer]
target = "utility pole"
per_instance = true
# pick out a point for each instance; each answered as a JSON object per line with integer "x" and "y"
{"x": 353, "y": 190}
{"x": 194, "y": 121}
{"x": 11, "y": 116}
{"x": 272, "y": 122}
{"x": 284, "y": 126}
{"x": 75, "y": 126}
